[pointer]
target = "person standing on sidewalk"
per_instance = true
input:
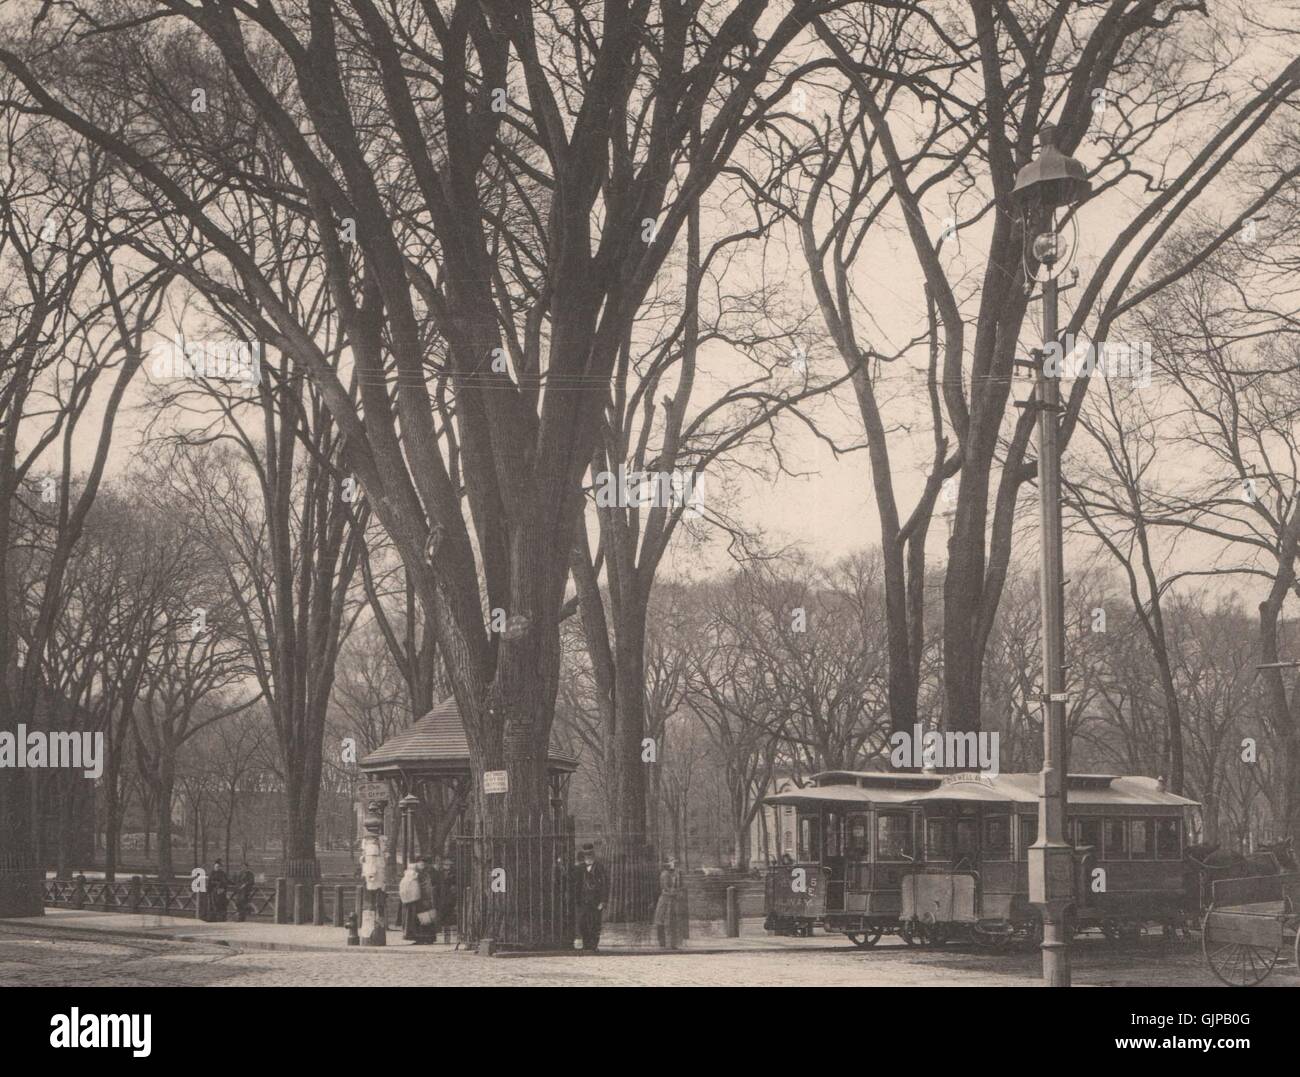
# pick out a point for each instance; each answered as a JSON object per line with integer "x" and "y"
{"x": 670, "y": 886}
{"x": 408, "y": 892}
{"x": 593, "y": 892}
{"x": 218, "y": 882}
{"x": 244, "y": 883}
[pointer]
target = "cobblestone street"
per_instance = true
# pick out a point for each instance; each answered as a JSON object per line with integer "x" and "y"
{"x": 32, "y": 956}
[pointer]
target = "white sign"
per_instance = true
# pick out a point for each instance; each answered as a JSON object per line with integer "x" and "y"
{"x": 495, "y": 781}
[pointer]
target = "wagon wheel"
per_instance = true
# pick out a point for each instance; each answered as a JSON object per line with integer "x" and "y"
{"x": 908, "y": 932}
{"x": 1238, "y": 964}
{"x": 864, "y": 940}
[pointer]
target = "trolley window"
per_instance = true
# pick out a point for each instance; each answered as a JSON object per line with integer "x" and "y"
{"x": 1167, "y": 844}
{"x": 1140, "y": 840}
{"x": 1088, "y": 832}
{"x": 966, "y": 842}
{"x": 1028, "y": 834}
{"x": 997, "y": 838}
{"x": 831, "y": 835}
{"x": 858, "y": 842}
{"x": 938, "y": 838}
{"x": 1116, "y": 838}
{"x": 893, "y": 836}
{"x": 810, "y": 846}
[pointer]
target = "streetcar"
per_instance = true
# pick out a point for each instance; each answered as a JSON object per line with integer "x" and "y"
{"x": 931, "y": 857}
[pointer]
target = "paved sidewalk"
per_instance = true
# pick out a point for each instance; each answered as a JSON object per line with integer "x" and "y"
{"x": 258, "y": 935}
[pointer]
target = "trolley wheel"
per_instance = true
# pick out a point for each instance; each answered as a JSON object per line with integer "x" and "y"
{"x": 908, "y": 933}
{"x": 1127, "y": 931}
{"x": 931, "y": 933}
{"x": 1237, "y": 964}
{"x": 993, "y": 934}
{"x": 1031, "y": 938}
{"x": 864, "y": 940}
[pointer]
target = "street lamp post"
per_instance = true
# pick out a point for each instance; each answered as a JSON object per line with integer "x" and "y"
{"x": 1047, "y": 183}
{"x": 407, "y": 806}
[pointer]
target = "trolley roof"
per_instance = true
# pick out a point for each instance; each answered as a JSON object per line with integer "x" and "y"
{"x": 878, "y": 787}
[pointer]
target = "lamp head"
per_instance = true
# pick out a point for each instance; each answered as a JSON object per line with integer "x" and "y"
{"x": 1047, "y": 248}
{"x": 1051, "y": 180}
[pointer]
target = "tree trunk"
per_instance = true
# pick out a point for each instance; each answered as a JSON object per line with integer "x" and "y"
{"x": 112, "y": 827}
{"x": 512, "y": 885}
{"x": 963, "y": 587}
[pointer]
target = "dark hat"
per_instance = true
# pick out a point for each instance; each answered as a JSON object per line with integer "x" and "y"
{"x": 588, "y": 848}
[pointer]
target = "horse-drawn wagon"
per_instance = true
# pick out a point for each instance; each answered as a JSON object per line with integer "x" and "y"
{"x": 1250, "y": 923}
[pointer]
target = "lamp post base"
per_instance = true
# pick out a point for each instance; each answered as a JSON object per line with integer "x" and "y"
{"x": 1051, "y": 892}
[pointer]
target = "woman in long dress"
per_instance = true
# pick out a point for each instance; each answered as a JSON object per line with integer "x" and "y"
{"x": 670, "y": 886}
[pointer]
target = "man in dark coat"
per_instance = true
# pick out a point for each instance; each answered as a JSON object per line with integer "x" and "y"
{"x": 593, "y": 892}
{"x": 244, "y": 883}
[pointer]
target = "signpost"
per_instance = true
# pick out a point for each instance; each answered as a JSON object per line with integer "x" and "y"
{"x": 496, "y": 781}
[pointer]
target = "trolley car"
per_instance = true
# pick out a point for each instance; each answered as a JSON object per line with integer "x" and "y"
{"x": 933, "y": 857}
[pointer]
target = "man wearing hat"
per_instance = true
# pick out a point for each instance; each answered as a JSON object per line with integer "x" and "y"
{"x": 593, "y": 891}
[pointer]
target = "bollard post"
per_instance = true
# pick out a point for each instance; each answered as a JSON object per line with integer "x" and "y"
{"x": 733, "y": 913}
{"x": 318, "y": 904}
{"x": 133, "y": 893}
{"x": 338, "y": 906}
{"x": 79, "y": 892}
{"x": 282, "y": 901}
{"x": 201, "y": 910}
{"x": 299, "y": 903}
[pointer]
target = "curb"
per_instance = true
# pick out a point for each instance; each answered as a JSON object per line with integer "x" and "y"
{"x": 168, "y": 936}
{"x": 208, "y": 940}
{"x": 655, "y": 951}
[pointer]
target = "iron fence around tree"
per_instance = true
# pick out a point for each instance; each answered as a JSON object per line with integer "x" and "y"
{"x": 521, "y": 889}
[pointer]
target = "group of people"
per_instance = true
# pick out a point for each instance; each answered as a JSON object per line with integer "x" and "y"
{"x": 222, "y": 888}
{"x": 589, "y": 882}
{"x": 428, "y": 895}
